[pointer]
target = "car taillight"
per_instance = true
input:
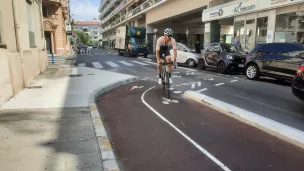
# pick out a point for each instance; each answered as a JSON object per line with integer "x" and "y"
{"x": 301, "y": 69}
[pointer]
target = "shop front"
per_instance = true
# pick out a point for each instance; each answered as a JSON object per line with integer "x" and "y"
{"x": 258, "y": 21}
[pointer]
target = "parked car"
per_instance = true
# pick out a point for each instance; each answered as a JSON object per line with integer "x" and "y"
{"x": 185, "y": 55}
{"x": 276, "y": 60}
{"x": 94, "y": 46}
{"x": 298, "y": 82}
{"x": 222, "y": 56}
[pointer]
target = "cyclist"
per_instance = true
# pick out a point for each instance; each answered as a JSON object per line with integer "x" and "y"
{"x": 163, "y": 45}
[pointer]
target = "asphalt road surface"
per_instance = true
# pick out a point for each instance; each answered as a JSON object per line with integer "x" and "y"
{"x": 151, "y": 133}
{"x": 266, "y": 97}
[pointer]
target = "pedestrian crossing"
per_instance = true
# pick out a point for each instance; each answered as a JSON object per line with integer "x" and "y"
{"x": 113, "y": 64}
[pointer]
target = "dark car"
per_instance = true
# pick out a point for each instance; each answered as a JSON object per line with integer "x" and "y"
{"x": 298, "y": 83}
{"x": 222, "y": 56}
{"x": 276, "y": 60}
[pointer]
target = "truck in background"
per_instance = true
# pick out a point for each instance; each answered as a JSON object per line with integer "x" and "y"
{"x": 131, "y": 41}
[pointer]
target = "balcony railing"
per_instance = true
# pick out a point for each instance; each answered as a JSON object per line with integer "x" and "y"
{"x": 214, "y": 3}
{"x": 107, "y": 8}
{"x": 137, "y": 11}
{"x": 103, "y": 3}
{"x": 115, "y": 10}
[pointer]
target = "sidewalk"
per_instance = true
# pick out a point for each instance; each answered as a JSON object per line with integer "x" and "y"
{"x": 62, "y": 60}
{"x": 54, "y": 125}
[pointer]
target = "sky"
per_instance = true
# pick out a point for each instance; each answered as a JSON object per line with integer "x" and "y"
{"x": 84, "y": 9}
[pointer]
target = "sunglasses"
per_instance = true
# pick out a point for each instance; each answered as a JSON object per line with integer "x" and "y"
{"x": 169, "y": 36}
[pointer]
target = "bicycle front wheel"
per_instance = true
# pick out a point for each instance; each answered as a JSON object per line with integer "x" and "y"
{"x": 168, "y": 85}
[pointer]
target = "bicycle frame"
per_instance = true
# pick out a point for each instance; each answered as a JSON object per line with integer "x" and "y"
{"x": 165, "y": 77}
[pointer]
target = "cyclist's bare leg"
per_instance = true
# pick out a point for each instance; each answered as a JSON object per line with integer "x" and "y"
{"x": 168, "y": 59}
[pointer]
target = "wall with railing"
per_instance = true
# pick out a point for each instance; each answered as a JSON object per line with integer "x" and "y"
{"x": 133, "y": 13}
{"x": 214, "y": 3}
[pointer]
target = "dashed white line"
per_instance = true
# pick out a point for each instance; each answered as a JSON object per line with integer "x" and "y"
{"x": 211, "y": 79}
{"x": 112, "y": 64}
{"x": 151, "y": 62}
{"x": 233, "y": 81}
{"x": 201, "y": 90}
{"x": 126, "y": 63}
{"x": 97, "y": 65}
{"x": 200, "y": 148}
{"x": 140, "y": 63}
{"x": 192, "y": 86}
{"x": 177, "y": 92}
{"x": 219, "y": 84}
{"x": 199, "y": 83}
{"x": 82, "y": 65}
{"x": 187, "y": 73}
{"x": 192, "y": 73}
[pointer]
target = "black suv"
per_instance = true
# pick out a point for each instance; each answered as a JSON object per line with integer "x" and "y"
{"x": 277, "y": 60}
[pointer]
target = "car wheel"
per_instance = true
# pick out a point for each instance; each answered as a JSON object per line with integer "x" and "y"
{"x": 201, "y": 64}
{"x": 252, "y": 72}
{"x": 190, "y": 63}
{"x": 221, "y": 67}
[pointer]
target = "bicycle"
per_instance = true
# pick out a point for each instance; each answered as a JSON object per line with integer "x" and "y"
{"x": 165, "y": 76}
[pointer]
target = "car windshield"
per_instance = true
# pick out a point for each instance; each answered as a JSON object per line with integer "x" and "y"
{"x": 190, "y": 49}
{"x": 231, "y": 48}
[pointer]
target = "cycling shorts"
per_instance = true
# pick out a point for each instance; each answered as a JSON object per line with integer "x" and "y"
{"x": 164, "y": 50}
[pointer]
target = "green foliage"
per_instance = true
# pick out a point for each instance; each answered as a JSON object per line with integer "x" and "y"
{"x": 83, "y": 37}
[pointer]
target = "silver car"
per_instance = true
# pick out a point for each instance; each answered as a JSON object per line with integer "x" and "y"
{"x": 185, "y": 55}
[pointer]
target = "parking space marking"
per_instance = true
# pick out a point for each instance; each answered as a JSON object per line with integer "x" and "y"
{"x": 233, "y": 81}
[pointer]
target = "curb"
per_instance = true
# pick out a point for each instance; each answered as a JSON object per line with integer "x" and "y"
{"x": 108, "y": 159}
{"x": 284, "y": 132}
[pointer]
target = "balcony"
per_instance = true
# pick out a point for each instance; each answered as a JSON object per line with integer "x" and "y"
{"x": 102, "y": 4}
{"x": 214, "y": 3}
{"x": 119, "y": 7}
{"x": 149, "y": 4}
{"x": 110, "y": 4}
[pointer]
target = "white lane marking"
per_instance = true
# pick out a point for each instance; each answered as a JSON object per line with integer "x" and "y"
{"x": 219, "y": 84}
{"x": 151, "y": 62}
{"x": 187, "y": 69}
{"x": 144, "y": 79}
{"x": 235, "y": 77}
{"x": 201, "y": 90}
{"x": 233, "y": 81}
{"x": 140, "y": 63}
{"x": 175, "y": 72}
{"x": 187, "y": 73}
{"x": 126, "y": 63}
{"x": 171, "y": 88}
{"x": 192, "y": 86}
{"x": 97, "y": 65}
{"x": 209, "y": 155}
{"x": 82, "y": 65}
{"x": 211, "y": 79}
{"x": 177, "y": 92}
{"x": 192, "y": 73}
{"x": 176, "y": 76}
{"x": 112, "y": 64}
{"x": 199, "y": 83}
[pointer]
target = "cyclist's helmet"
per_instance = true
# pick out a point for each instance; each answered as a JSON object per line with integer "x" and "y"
{"x": 168, "y": 31}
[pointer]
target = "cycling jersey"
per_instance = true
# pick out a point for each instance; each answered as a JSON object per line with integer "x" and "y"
{"x": 164, "y": 47}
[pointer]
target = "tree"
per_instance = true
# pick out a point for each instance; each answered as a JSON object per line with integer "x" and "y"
{"x": 83, "y": 37}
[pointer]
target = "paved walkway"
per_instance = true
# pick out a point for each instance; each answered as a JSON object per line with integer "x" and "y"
{"x": 49, "y": 125}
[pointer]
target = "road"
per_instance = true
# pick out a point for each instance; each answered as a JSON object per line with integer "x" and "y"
{"x": 265, "y": 97}
{"x": 149, "y": 132}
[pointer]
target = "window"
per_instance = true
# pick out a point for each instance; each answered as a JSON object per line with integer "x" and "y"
{"x": 250, "y": 21}
{"x": 85, "y": 29}
{"x": 181, "y": 48}
{"x": 95, "y": 32}
{"x": 30, "y": 25}
{"x": 239, "y": 30}
{"x": 290, "y": 27}
{"x": 230, "y": 48}
{"x": 261, "y": 31}
{"x": 45, "y": 11}
{"x": 75, "y": 27}
{"x": 213, "y": 48}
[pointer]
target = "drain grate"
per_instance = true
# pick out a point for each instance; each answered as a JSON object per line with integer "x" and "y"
{"x": 75, "y": 75}
{"x": 34, "y": 87}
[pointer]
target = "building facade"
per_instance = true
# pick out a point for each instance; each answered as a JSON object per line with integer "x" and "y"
{"x": 55, "y": 16}
{"x": 92, "y": 28}
{"x": 22, "y": 47}
{"x": 206, "y": 21}
{"x": 256, "y": 21}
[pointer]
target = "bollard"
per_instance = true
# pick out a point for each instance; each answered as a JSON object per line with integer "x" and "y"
{"x": 53, "y": 58}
